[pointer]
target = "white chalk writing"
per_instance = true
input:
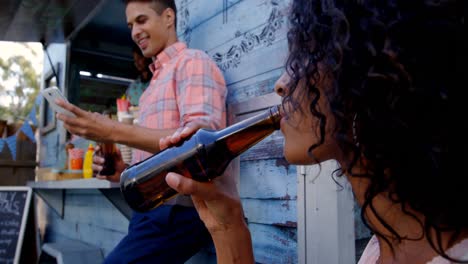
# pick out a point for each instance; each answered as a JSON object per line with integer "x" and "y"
{"x": 8, "y": 223}
{"x": 8, "y": 203}
{"x": 8, "y": 232}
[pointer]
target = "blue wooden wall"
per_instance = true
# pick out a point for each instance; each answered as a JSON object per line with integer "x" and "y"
{"x": 247, "y": 39}
{"x": 88, "y": 217}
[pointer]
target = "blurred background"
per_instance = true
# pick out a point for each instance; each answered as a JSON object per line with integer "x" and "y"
{"x": 20, "y": 72}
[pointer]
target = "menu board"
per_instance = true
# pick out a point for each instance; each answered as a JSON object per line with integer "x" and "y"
{"x": 14, "y": 208}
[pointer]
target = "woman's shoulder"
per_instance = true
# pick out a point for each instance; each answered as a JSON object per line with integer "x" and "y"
{"x": 371, "y": 253}
{"x": 459, "y": 252}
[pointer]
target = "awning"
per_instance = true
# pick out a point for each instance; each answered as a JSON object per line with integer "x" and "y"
{"x": 48, "y": 21}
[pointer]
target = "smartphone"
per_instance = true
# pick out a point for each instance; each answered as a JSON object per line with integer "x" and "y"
{"x": 53, "y": 93}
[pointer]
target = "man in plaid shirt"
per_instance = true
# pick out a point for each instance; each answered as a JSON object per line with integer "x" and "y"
{"x": 186, "y": 86}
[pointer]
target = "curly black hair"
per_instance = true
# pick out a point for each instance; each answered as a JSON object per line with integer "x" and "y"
{"x": 391, "y": 64}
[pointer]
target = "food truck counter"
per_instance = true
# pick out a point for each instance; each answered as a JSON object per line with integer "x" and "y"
{"x": 53, "y": 192}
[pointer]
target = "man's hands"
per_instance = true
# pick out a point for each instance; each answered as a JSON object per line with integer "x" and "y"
{"x": 98, "y": 162}
{"x": 99, "y": 128}
{"x": 93, "y": 126}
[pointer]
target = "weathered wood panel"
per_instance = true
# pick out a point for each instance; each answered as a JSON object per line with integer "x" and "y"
{"x": 210, "y": 24}
{"x": 243, "y": 67}
{"x": 104, "y": 238}
{"x": 269, "y": 192}
{"x": 259, "y": 85}
{"x": 269, "y": 148}
{"x": 272, "y": 146}
{"x": 191, "y": 14}
{"x": 249, "y": 18}
{"x": 247, "y": 39}
{"x": 101, "y": 214}
{"x": 274, "y": 244}
{"x": 268, "y": 179}
{"x": 271, "y": 212}
{"x": 253, "y": 32}
{"x": 49, "y": 150}
{"x": 101, "y": 224}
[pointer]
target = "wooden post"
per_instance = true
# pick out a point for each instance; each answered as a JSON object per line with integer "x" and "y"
{"x": 325, "y": 216}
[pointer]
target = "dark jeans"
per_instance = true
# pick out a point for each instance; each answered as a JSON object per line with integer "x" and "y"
{"x": 167, "y": 234}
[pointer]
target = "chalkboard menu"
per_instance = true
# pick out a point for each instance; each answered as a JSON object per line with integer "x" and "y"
{"x": 14, "y": 208}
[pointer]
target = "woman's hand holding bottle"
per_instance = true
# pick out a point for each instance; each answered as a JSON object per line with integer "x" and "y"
{"x": 217, "y": 203}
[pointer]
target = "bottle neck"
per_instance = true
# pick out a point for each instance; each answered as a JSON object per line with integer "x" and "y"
{"x": 243, "y": 135}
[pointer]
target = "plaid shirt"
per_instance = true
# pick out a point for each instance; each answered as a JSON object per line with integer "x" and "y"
{"x": 186, "y": 85}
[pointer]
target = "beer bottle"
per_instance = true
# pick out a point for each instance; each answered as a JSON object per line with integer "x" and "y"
{"x": 202, "y": 157}
{"x": 109, "y": 152}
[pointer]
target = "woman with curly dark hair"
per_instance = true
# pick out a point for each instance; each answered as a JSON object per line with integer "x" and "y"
{"x": 367, "y": 83}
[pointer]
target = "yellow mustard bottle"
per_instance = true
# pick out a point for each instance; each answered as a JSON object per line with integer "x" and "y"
{"x": 88, "y": 163}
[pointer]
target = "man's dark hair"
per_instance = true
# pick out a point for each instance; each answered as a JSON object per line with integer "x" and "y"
{"x": 159, "y": 6}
